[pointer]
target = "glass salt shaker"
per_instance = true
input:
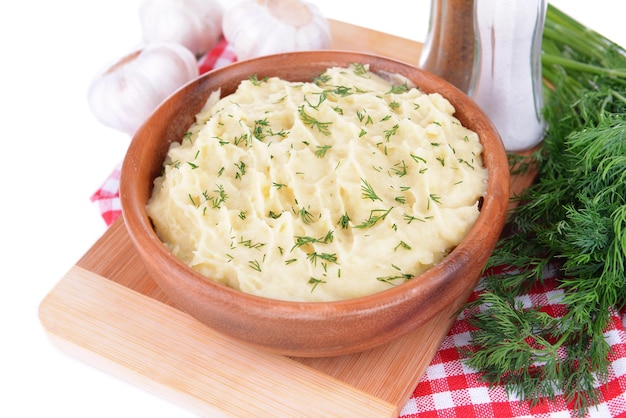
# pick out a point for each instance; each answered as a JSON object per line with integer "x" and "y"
{"x": 506, "y": 81}
{"x": 448, "y": 49}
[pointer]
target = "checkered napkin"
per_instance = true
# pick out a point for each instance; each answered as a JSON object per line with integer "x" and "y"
{"x": 449, "y": 388}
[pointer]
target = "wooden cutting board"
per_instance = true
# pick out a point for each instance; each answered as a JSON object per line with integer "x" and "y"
{"x": 108, "y": 312}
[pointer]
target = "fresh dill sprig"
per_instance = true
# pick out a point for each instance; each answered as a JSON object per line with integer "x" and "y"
{"x": 399, "y": 89}
{"x": 390, "y": 132}
{"x": 368, "y": 191}
{"x": 216, "y": 201}
{"x": 359, "y": 69}
{"x": 259, "y": 127}
{"x": 344, "y": 221}
{"x": 254, "y": 79}
{"x": 315, "y": 282}
{"x": 254, "y": 264}
{"x": 306, "y": 216}
{"x": 301, "y": 241}
{"x": 375, "y": 216}
{"x": 321, "y": 150}
{"x": 572, "y": 220}
{"x": 241, "y": 170}
{"x": 322, "y": 127}
{"x": 391, "y": 279}
{"x": 314, "y": 256}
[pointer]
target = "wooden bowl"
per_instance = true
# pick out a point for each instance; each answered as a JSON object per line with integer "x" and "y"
{"x": 308, "y": 329}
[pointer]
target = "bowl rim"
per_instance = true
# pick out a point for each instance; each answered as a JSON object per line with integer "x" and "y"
{"x": 492, "y": 212}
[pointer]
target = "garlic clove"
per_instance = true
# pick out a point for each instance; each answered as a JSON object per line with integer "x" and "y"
{"x": 127, "y": 92}
{"x": 195, "y": 24}
{"x": 241, "y": 26}
{"x": 284, "y": 40}
{"x": 311, "y": 37}
{"x": 256, "y": 28}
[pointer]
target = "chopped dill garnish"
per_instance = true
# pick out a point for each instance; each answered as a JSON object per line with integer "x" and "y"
{"x": 321, "y": 150}
{"x": 254, "y": 79}
{"x": 216, "y": 201}
{"x": 344, "y": 221}
{"x": 402, "y": 245}
{"x": 418, "y": 159}
{"x": 395, "y": 277}
{"x": 399, "y": 89}
{"x": 254, "y": 264}
{"x": 242, "y": 139}
{"x": 257, "y": 130}
{"x": 399, "y": 169}
{"x": 249, "y": 244}
{"x": 241, "y": 170}
{"x": 306, "y": 216}
{"x": 376, "y": 215}
{"x": 321, "y": 79}
{"x": 314, "y": 256}
{"x": 411, "y": 218}
{"x": 315, "y": 282}
{"x": 359, "y": 69}
{"x": 322, "y": 127}
{"x": 368, "y": 191}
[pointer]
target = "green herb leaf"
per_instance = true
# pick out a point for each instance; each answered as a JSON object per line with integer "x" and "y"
{"x": 572, "y": 219}
{"x": 322, "y": 127}
{"x": 368, "y": 191}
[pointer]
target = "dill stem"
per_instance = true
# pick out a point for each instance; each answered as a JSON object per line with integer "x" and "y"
{"x": 548, "y": 59}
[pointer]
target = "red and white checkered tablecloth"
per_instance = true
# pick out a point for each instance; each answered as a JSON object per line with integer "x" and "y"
{"x": 449, "y": 388}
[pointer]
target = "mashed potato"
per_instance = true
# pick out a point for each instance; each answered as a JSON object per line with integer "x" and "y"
{"x": 328, "y": 190}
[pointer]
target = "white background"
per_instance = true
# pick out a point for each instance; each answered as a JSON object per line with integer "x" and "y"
{"x": 55, "y": 155}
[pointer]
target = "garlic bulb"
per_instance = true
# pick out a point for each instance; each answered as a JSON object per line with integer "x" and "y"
{"x": 195, "y": 24}
{"x": 265, "y": 27}
{"x": 126, "y": 93}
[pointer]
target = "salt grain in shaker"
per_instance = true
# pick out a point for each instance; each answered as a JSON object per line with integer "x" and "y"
{"x": 506, "y": 81}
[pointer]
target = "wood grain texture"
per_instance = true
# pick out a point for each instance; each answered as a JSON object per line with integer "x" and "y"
{"x": 390, "y": 372}
{"x": 355, "y": 38}
{"x": 108, "y": 312}
{"x": 158, "y": 347}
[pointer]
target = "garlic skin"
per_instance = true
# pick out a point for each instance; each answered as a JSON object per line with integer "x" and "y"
{"x": 195, "y": 24}
{"x": 125, "y": 94}
{"x": 255, "y": 28}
